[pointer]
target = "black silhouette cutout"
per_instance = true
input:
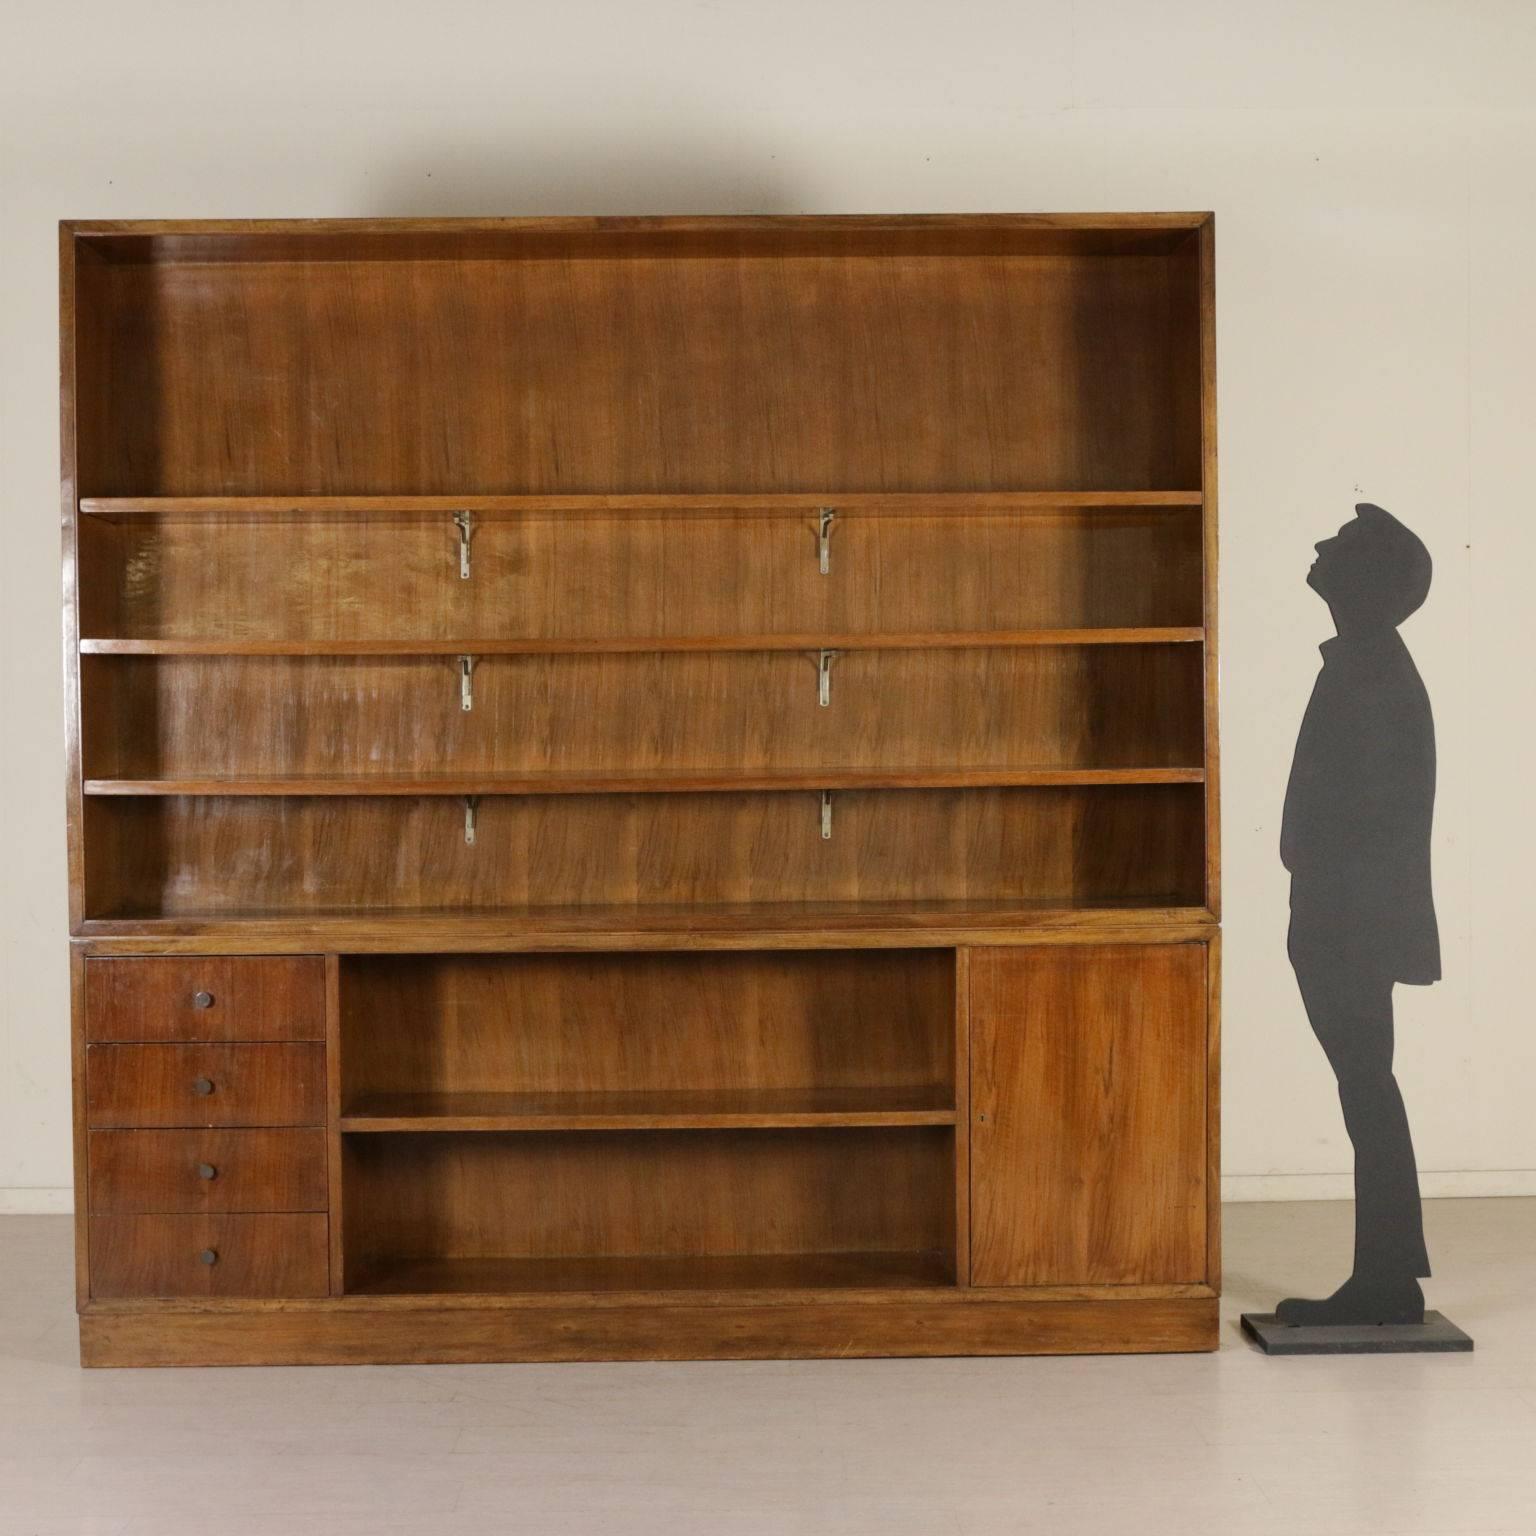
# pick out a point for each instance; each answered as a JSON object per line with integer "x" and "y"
{"x": 1355, "y": 838}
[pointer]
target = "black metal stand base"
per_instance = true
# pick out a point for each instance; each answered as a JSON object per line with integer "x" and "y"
{"x": 1433, "y": 1336}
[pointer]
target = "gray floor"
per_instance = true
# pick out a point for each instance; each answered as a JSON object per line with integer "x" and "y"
{"x": 1227, "y": 1444}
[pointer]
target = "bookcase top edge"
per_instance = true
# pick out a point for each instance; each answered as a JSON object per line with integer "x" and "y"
{"x": 210, "y": 240}
{"x": 642, "y": 223}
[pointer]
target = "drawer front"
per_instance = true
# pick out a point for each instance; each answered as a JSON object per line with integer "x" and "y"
{"x": 202, "y": 1085}
{"x": 137, "y": 1172}
{"x": 213, "y": 997}
{"x": 208, "y": 1256}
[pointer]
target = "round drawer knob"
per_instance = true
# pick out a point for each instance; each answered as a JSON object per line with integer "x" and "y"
{"x": 202, "y": 999}
{"x": 206, "y": 1171}
{"x": 203, "y": 1087}
{"x": 209, "y": 1256}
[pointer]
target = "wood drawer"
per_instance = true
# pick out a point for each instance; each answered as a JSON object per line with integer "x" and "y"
{"x": 209, "y": 1256}
{"x": 203, "y": 1085}
{"x": 185, "y": 1171}
{"x": 206, "y": 997}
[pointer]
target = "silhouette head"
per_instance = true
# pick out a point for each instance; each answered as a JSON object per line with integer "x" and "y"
{"x": 1372, "y": 573}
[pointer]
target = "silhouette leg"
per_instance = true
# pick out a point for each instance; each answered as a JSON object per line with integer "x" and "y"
{"x": 1389, "y": 1215}
{"x": 1350, "y": 1008}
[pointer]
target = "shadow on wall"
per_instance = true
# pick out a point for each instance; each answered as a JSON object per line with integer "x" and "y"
{"x": 487, "y": 181}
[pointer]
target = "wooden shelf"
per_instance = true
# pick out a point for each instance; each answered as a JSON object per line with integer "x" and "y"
{"x": 666, "y": 1110}
{"x": 941, "y": 640}
{"x": 364, "y": 930}
{"x": 703, "y": 1272}
{"x": 863, "y": 503}
{"x": 657, "y": 781}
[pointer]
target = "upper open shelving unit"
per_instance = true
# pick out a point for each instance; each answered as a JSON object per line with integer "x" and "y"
{"x": 560, "y": 573}
{"x": 731, "y": 359}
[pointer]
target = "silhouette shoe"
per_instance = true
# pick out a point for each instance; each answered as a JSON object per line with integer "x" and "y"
{"x": 1357, "y": 1301}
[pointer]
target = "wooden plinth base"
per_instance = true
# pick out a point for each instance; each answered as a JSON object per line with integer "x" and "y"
{"x": 343, "y": 1333}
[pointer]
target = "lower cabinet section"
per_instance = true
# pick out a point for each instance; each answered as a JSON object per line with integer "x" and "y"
{"x": 899, "y": 1150}
{"x": 165, "y": 1256}
{"x": 1088, "y": 1115}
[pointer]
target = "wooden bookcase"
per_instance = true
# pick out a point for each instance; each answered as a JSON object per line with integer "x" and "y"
{"x": 642, "y": 787}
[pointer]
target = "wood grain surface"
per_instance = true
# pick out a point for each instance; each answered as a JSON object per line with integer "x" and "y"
{"x": 246, "y": 1085}
{"x": 211, "y": 856}
{"x": 262, "y": 1255}
{"x": 1088, "y": 1115}
{"x": 209, "y": 997}
{"x": 677, "y": 1194}
{"x": 692, "y": 720}
{"x": 184, "y": 1172}
{"x": 589, "y": 373}
{"x": 649, "y": 575}
{"x": 649, "y": 1026}
{"x": 720, "y": 1329}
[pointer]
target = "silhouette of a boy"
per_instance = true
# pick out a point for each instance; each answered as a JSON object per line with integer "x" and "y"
{"x": 1355, "y": 838}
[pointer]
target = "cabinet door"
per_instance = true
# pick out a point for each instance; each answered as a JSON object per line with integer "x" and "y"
{"x": 1088, "y": 1115}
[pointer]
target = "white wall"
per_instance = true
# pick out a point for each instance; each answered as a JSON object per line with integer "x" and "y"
{"x": 1371, "y": 163}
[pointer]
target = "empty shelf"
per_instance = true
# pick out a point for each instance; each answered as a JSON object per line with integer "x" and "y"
{"x": 996, "y": 639}
{"x": 728, "y": 1272}
{"x": 405, "y": 930}
{"x": 910, "y": 503}
{"x": 648, "y": 781}
{"x": 704, "y": 1109}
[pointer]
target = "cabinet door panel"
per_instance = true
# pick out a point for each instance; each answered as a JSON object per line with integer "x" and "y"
{"x": 1088, "y": 1115}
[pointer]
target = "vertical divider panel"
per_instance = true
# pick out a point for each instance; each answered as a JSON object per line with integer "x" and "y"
{"x": 1206, "y": 321}
{"x": 77, "y": 984}
{"x": 962, "y": 1117}
{"x": 1213, "y": 1112}
{"x": 333, "y": 1120}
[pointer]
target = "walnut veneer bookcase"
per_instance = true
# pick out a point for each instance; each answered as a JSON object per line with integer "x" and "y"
{"x": 642, "y": 787}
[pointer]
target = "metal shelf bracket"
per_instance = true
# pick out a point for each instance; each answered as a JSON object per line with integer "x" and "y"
{"x": 824, "y": 538}
{"x": 824, "y": 678}
{"x": 465, "y": 522}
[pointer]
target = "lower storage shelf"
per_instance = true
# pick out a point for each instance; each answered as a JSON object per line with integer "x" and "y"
{"x": 669, "y": 1209}
{"x": 659, "y": 1109}
{"x": 735, "y": 1272}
